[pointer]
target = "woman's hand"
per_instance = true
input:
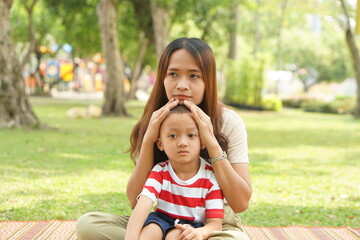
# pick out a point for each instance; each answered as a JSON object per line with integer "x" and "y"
{"x": 152, "y": 131}
{"x": 204, "y": 124}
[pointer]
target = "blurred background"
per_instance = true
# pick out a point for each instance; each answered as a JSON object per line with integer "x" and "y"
{"x": 269, "y": 54}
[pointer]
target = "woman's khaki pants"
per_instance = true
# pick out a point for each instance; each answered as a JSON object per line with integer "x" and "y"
{"x": 106, "y": 226}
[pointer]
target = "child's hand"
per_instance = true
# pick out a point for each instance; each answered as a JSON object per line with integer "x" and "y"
{"x": 188, "y": 232}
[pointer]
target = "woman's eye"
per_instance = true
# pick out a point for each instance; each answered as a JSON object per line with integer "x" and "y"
{"x": 195, "y": 76}
{"x": 172, "y": 135}
{"x": 172, "y": 74}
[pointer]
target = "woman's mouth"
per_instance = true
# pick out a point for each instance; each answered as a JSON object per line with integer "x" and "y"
{"x": 181, "y": 97}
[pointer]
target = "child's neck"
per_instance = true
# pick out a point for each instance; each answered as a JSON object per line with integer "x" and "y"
{"x": 187, "y": 170}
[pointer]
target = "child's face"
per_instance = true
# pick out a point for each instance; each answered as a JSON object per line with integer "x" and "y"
{"x": 179, "y": 138}
{"x": 184, "y": 80}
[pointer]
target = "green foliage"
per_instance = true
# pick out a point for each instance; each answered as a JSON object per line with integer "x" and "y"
{"x": 80, "y": 21}
{"x": 76, "y": 22}
{"x": 272, "y": 103}
{"x": 292, "y": 102}
{"x": 341, "y": 105}
{"x": 244, "y": 81}
{"x": 330, "y": 65}
{"x": 195, "y": 19}
{"x": 45, "y": 23}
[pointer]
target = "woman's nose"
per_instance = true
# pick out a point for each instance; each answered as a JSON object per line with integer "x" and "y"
{"x": 183, "y": 84}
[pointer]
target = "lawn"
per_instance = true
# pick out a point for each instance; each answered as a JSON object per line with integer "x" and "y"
{"x": 304, "y": 167}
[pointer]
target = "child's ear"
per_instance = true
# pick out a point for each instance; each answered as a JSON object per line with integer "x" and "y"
{"x": 159, "y": 144}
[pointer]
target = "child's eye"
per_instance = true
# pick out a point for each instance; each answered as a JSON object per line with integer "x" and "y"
{"x": 192, "y": 135}
{"x": 172, "y": 135}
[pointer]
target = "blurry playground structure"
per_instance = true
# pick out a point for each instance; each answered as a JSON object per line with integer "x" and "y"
{"x": 80, "y": 78}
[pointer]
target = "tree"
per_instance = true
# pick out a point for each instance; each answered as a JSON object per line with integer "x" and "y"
{"x": 29, "y": 6}
{"x": 15, "y": 108}
{"x": 160, "y": 16}
{"x": 350, "y": 40}
{"x": 114, "y": 77}
{"x": 234, "y": 18}
{"x": 146, "y": 37}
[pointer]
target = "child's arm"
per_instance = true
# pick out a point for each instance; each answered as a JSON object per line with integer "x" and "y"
{"x": 138, "y": 217}
{"x": 212, "y": 224}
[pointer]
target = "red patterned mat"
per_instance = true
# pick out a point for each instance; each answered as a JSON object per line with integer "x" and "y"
{"x": 64, "y": 230}
{"x": 39, "y": 230}
{"x": 302, "y": 233}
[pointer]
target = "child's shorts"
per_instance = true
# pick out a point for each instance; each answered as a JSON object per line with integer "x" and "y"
{"x": 167, "y": 223}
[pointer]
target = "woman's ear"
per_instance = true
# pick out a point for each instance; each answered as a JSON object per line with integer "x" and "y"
{"x": 159, "y": 144}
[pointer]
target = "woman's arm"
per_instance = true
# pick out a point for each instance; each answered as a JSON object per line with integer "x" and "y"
{"x": 234, "y": 179}
{"x": 138, "y": 217}
{"x": 145, "y": 160}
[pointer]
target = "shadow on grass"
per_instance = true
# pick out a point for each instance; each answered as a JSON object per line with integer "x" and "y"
{"x": 271, "y": 215}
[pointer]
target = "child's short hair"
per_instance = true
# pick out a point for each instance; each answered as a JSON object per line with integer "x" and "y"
{"x": 179, "y": 109}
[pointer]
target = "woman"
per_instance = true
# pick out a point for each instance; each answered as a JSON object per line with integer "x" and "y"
{"x": 186, "y": 75}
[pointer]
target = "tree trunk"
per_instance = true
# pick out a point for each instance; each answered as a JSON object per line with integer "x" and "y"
{"x": 114, "y": 77}
{"x": 32, "y": 40}
{"x": 350, "y": 40}
{"x": 234, "y": 18}
{"x": 15, "y": 108}
{"x": 160, "y": 20}
{"x": 356, "y": 61}
{"x": 137, "y": 67}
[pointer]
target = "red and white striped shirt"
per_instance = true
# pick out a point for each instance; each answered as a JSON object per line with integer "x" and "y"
{"x": 195, "y": 199}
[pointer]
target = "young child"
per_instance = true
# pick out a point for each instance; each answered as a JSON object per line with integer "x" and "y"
{"x": 184, "y": 187}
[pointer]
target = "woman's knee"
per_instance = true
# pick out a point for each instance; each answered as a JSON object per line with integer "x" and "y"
{"x": 85, "y": 225}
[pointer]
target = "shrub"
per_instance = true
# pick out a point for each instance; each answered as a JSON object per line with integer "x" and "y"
{"x": 244, "y": 81}
{"x": 272, "y": 103}
{"x": 341, "y": 105}
{"x": 292, "y": 103}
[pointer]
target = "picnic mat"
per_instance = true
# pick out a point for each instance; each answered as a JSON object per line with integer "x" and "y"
{"x": 64, "y": 230}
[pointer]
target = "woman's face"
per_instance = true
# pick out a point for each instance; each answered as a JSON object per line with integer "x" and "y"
{"x": 183, "y": 79}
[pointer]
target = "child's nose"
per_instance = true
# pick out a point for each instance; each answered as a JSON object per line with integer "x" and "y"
{"x": 182, "y": 142}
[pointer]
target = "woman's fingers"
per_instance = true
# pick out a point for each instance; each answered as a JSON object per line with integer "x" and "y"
{"x": 198, "y": 114}
{"x": 168, "y": 106}
{"x": 204, "y": 124}
{"x": 157, "y": 118}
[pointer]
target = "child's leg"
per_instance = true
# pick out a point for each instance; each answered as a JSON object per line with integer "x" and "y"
{"x": 173, "y": 234}
{"x": 151, "y": 231}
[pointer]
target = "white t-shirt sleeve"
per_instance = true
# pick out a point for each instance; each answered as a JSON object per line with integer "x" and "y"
{"x": 234, "y": 129}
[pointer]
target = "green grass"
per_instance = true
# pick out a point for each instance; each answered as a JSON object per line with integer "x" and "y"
{"x": 304, "y": 167}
